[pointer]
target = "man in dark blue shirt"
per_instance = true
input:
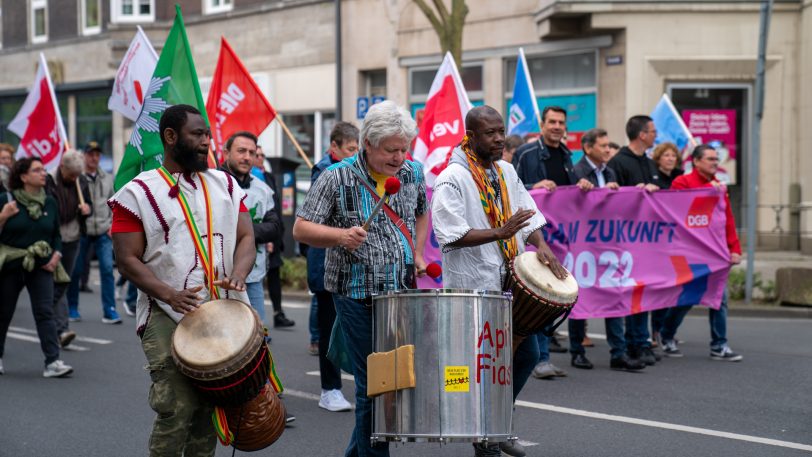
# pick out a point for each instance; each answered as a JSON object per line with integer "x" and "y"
{"x": 546, "y": 162}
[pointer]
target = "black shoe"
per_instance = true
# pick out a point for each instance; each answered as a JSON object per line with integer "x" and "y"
{"x": 86, "y": 289}
{"x": 656, "y": 354}
{"x": 645, "y": 355}
{"x": 625, "y": 363}
{"x": 580, "y": 361}
{"x": 279, "y": 320}
{"x": 555, "y": 346}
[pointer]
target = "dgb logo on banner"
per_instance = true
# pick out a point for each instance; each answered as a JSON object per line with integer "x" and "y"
{"x": 701, "y": 212}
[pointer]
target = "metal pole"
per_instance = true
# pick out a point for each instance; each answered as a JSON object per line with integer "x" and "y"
{"x": 755, "y": 142}
{"x": 338, "y": 60}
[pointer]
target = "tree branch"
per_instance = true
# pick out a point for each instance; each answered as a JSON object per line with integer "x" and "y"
{"x": 438, "y": 26}
{"x": 440, "y": 5}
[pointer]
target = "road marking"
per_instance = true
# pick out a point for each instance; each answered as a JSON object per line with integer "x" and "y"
{"x": 34, "y": 339}
{"x": 84, "y": 339}
{"x": 344, "y": 376}
{"x": 665, "y": 425}
{"x": 614, "y": 418}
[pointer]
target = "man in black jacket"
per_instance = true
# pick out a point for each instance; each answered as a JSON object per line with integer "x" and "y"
{"x": 634, "y": 168}
{"x": 592, "y": 173}
{"x": 546, "y": 162}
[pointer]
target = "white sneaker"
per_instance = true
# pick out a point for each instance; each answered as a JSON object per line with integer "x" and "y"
{"x": 333, "y": 400}
{"x": 57, "y": 369}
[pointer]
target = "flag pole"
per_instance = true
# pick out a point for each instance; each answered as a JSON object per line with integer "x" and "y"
{"x": 295, "y": 143}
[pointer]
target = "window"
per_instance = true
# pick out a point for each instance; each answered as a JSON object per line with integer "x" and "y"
{"x": 217, "y": 6}
{"x": 420, "y": 80}
{"x": 9, "y": 106}
{"x": 373, "y": 83}
{"x": 94, "y": 122}
{"x": 39, "y": 21}
{"x": 91, "y": 17}
{"x": 557, "y": 73}
{"x": 133, "y": 10}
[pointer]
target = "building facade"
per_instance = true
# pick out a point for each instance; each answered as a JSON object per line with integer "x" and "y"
{"x": 602, "y": 60}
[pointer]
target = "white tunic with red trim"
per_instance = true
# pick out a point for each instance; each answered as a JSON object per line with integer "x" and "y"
{"x": 170, "y": 251}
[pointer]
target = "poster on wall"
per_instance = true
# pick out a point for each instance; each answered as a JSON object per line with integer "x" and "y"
{"x": 716, "y": 127}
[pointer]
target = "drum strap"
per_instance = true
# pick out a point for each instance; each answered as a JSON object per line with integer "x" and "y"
{"x": 393, "y": 216}
{"x": 203, "y": 250}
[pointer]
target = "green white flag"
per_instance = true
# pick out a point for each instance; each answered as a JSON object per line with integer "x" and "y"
{"x": 174, "y": 82}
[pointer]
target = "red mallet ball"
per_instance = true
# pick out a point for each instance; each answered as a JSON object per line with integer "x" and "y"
{"x": 392, "y": 185}
{"x": 434, "y": 270}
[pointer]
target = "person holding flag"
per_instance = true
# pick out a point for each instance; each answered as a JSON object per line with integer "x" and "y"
{"x": 169, "y": 243}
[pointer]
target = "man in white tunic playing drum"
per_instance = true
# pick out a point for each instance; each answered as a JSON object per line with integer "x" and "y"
{"x": 480, "y": 229}
{"x": 183, "y": 236}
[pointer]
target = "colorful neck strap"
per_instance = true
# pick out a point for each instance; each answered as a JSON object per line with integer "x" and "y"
{"x": 203, "y": 251}
{"x": 497, "y": 217}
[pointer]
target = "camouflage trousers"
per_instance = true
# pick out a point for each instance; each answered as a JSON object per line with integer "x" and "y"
{"x": 183, "y": 426}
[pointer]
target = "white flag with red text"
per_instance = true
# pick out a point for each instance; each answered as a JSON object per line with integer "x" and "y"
{"x": 39, "y": 122}
{"x": 132, "y": 77}
{"x": 443, "y": 125}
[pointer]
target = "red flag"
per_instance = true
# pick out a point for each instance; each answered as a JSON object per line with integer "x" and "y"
{"x": 39, "y": 123}
{"x": 443, "y": 124}
{"x": 235, "y": 102}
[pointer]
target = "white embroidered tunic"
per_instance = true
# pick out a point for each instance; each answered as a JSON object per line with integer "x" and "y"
{"x": 456, "y": 209}
{"x": 170, "y": 252}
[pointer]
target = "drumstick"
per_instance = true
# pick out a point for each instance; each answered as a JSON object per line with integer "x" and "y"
{"x": 391, "y": 186}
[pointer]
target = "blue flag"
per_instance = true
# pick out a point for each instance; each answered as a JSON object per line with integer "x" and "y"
{"x": 669, "y": 125}
{"x": 523, "y": 112}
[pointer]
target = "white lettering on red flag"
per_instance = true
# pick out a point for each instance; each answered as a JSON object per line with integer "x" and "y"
{"x": 39, "y": 123}
{"x": 133, "y": 77}
{"x": 235, "y": 102}
{"x": 443, "y": 124}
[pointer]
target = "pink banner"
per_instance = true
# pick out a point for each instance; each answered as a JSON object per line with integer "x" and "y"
{"x": 632, "y": 251}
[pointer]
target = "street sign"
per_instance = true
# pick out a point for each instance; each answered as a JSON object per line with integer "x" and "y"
{"x": 377, "y": 99}
{"x": 362, "y": 106}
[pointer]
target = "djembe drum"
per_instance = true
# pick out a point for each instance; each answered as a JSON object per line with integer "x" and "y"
{"x": 221, "y": 348}
{"x": 539, "y": 298}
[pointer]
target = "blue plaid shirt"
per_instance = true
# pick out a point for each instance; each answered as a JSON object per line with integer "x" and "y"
{"x": 385, "y": 261}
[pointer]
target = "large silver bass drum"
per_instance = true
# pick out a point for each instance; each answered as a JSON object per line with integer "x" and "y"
{"x": 463, "y": 387}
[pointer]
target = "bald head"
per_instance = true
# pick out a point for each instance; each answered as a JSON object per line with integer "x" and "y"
{"x": 476, "y": 117}
{"x": 486, "y": 133}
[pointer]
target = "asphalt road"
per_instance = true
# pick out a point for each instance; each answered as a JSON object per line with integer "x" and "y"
{"x": 682, "y": 407}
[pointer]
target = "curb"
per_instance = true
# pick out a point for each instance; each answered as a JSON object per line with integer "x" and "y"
{"x": 769, "y": 312}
